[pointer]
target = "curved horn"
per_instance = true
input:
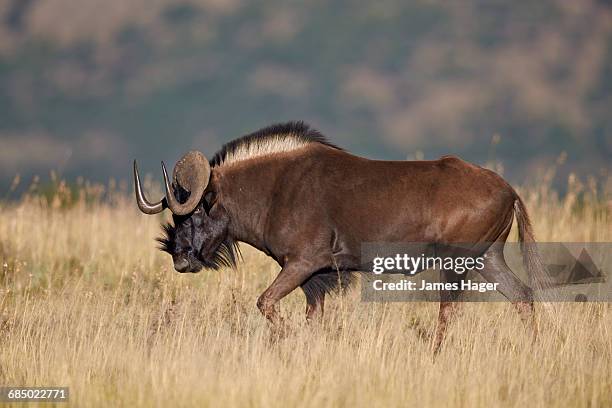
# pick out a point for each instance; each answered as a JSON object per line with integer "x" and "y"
{"x": 191, "y": 173}
{"x": 144, "y": 204}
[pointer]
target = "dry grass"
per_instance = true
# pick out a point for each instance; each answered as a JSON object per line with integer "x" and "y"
{"x": 87, "y": 302}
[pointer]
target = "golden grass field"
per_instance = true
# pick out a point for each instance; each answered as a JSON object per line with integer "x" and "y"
{"x": 86, "y": 301}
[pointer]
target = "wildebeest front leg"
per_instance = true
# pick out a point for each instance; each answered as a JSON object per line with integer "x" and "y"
{"x": 290, "y": 277}
{"x": 314, "y": 307}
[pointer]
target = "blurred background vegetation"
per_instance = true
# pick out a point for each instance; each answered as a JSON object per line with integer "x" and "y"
{"x": 88, "y": 85}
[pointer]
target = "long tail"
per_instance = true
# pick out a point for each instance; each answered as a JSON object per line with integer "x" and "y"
{"x": 539, "y": 279}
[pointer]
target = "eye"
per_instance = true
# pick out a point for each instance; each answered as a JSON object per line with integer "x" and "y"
{"x": 198, "y": 210}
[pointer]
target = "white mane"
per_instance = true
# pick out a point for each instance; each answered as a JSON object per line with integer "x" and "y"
{"x": 264, "y": 147}
{"x": 283, "y": 137}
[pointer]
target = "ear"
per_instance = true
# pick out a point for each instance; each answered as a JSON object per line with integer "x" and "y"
{"x": 219, "y": 215}
{"x": 208, "y": 201}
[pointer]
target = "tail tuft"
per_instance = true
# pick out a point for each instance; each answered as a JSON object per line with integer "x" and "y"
{"x": 531, "y": 258}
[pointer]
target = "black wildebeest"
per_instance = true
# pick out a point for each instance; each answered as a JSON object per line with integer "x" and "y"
{"x": 310, "y": 205}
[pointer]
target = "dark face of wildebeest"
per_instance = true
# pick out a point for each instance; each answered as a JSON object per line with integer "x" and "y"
{"x": 198, "y": 240}
{"x": 184, "y": 240}
{"x": 198, "y": 235}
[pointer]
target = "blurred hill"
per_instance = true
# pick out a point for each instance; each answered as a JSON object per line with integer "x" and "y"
{"x": 87, "y": 85}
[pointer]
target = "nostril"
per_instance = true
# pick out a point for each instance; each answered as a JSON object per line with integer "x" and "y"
{"x": 181, "y": 265}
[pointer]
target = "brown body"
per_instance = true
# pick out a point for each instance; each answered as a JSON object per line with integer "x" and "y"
{"x": 311, "y": 206}
{"x": 326, "y": 201}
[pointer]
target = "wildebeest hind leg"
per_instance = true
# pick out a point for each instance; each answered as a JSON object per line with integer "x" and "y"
{"x": 448, "y": 306}
{"x": 497, "y": 271}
